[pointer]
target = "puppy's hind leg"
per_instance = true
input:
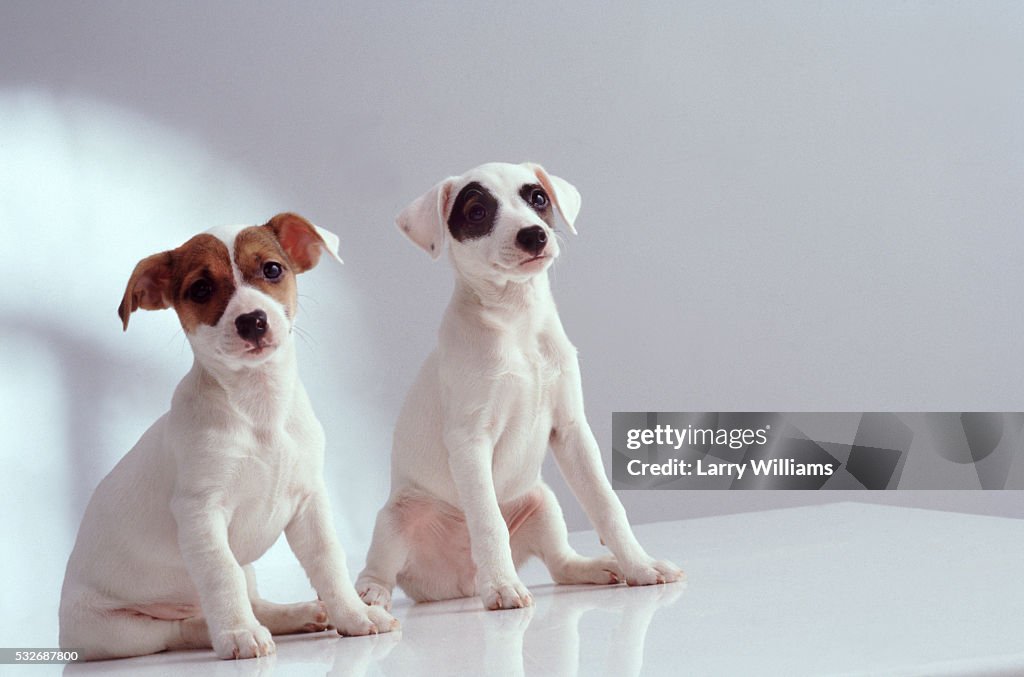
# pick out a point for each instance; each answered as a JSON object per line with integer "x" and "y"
{"x": 387, "y": 555}
{"x": 121, "y": 633}
{"x": 539, "y": 529}
{"x": 285, "y": 619}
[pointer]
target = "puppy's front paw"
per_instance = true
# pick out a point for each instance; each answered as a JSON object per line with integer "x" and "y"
{"x": 363, "y": 620}
{"x": 653, "y": 572}
{"x": 373, "y": 593}
{"x": 507, "y": 593}
{"x": 246, "y": 642}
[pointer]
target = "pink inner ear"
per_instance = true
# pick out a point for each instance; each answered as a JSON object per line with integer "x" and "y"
{"x": 564, "y": 194}
{"x": 150, "y": 289}
{"x": 148, "y": 286}
{"x": 299, "y": 240}
{"x": 301, "y": 246}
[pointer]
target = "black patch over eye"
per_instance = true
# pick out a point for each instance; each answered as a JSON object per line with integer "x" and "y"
{"x": 200, "y": 291}
{"x": 473, "y": 212}
{"x": 476, "y": 213}
{"x": 535, "y": 196}
{"x": 272, "y": 270}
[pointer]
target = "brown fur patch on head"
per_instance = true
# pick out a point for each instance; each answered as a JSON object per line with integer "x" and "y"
{"x": 196, "y": 279}
{"x": 203, "y": 258}
{"x": 257, "y": 249}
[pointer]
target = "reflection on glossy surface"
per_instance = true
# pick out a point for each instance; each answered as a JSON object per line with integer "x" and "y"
{"x": 452, "y": 637}
{"x": 322, "y": 654}
{"x": 545, "y": 639}
{"x": 832, "y": 590}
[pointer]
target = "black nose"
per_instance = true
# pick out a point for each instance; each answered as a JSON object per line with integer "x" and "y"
{"x": 251, "y": 326}
{"x": 532, "y": 239}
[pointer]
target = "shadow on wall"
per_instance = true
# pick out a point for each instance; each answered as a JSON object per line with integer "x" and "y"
{"x": 88, "y": 191}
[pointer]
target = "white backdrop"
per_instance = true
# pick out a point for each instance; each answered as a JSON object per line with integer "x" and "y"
{"x": 800, "y": 206}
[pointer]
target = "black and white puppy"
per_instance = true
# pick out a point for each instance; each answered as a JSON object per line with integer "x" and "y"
{"x": 467, "y": 503}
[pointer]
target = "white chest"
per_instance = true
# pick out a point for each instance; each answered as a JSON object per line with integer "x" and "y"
{"x": 523, "y": 411}
{"x": 264, "y": 482}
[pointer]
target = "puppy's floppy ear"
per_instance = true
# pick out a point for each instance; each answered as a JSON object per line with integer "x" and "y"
{"x": 424, "y": 220}
{"x": 302, "y": 241}
{"x": 148, "y": 287}
{"x": 566, "y": 197}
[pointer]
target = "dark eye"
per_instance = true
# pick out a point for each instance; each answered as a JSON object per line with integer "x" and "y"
{"x": 538, "y": 199}
{"x": 272, "y": 270}
{"x": 201, "y": 291}
{"x": 476, "y": 213}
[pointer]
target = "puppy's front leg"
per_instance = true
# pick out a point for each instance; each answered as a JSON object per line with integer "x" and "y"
{"x": 497, "y": 583}
{"x": 312, "y": 538}
{"x": 219, "y": 579}
{"x": 579, "y": 459}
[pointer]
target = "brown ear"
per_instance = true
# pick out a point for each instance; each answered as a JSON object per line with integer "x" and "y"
{"x": 148, "y": 287}
{"x": 302, "y": 241}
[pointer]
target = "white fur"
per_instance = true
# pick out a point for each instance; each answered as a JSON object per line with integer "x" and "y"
{"x": 502, "y": 386}
{"x": 162, "y": 557}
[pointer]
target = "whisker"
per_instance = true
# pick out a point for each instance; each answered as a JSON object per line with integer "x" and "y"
{"x": 306, "y": 337}
{"x": 180, "y": 334}
{"x": 305, "y": 297}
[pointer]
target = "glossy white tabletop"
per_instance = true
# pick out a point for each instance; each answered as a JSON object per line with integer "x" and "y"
{"x": 838, "y": 589}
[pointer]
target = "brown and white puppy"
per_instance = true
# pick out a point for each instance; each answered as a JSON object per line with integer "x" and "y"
{"x": 467, "y": 503}
{"x": 163, "y": 557}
